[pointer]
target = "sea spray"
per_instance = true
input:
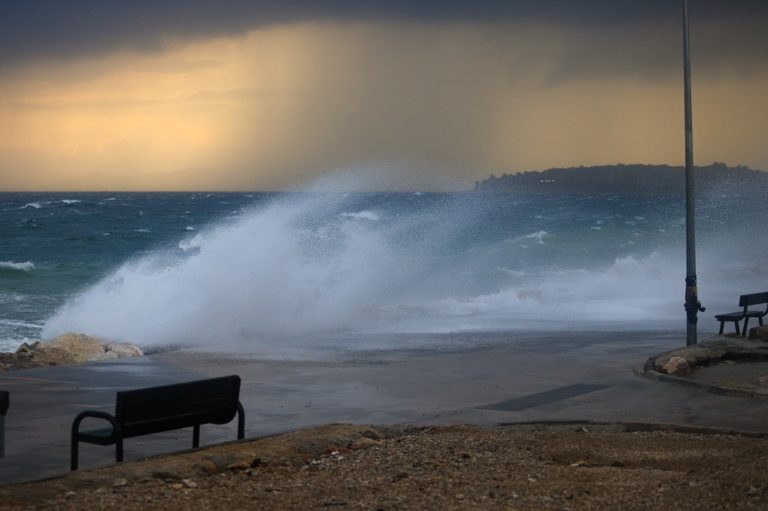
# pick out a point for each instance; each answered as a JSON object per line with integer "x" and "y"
{"x": 276, "y": 271}
{"x": 294, "y": 267}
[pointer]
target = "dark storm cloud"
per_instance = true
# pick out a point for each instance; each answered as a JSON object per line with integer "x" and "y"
{"x": 32, "y": 30}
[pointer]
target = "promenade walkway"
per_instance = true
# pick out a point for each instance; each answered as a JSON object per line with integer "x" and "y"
{"x": 582, "y": 376}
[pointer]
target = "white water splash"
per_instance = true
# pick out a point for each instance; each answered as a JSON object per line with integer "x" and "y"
{"x": 318, "y": 264}
{"x": 266, "y": 275}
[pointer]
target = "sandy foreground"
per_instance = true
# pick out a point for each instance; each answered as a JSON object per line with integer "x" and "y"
{"x": 569, "y": 466}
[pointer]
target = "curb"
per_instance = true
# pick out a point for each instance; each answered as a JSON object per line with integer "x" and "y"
{"x": 727, "y": 352}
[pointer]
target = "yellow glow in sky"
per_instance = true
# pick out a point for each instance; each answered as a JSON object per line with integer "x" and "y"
{"x": 445, "y": 104}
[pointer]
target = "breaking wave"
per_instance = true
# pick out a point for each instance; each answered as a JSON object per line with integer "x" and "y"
{"x": 27, "y": 266}
{"x": 309, "y": 265}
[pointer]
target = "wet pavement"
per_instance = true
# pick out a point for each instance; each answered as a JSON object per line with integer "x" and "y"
{"x": 745, "y": 373}
{"x": 723, "y": 364}
{"x": 581, "y": 376}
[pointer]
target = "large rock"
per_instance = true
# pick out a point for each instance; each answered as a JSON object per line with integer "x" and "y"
{"x": 81, "y": 347}
{"x": 677, "y": 366}
{"x": 123, "y": 350}
{"x": 700, "y": 354}
{"x": 53, "y": 356}
{"x": 66, "y": 349}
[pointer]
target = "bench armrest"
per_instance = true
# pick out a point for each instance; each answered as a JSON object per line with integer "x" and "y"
{"x": 116, "y": 436}
{"x": 96, "y": 414}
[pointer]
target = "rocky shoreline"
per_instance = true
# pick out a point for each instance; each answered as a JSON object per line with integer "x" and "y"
{"x": 66, "y": 349}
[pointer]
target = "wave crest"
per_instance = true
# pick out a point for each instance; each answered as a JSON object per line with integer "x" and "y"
{"x": 363, "y": 215}
{"x": 27, "y": 266}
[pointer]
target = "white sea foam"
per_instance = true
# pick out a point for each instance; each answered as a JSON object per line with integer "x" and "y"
{"x": 11, "y": 298}
{"x": 33, "y": 205}
{"x": 27, "y": 266}
{"x": 363, "y": 215}
{"x": 11, "y": 344}
{"x": 630, "y": 293}
{"x": 191, "y": 243}
{"x": 71, "y": 201}
{"x": 537, "y": 236}
{"x": 17, "y": 323}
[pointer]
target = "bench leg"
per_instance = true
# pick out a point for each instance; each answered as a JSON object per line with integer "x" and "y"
{"x": 744, "y": 332}
{"x": 119, "y": 450}
{"x": 736, "y": 324}
{"x": 195, "y": 437}
{"x": 722, "y": 325}
{"x": 240, "y": 421}
{"x": 73, "y": 455}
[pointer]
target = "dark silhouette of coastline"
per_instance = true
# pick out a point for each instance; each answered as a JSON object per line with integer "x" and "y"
{"x": 717, "y": 178}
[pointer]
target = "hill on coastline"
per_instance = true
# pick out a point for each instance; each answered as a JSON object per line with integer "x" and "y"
{"x": 630, "y": 179}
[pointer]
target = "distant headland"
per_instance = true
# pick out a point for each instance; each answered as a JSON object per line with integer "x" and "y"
{"x": 630, "y": 179}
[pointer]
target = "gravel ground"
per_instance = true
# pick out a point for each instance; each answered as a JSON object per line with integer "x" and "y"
{"x": 391, "y": 468}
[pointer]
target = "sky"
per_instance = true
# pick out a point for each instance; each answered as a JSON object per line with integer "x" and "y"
{"x": 418, "y": 95}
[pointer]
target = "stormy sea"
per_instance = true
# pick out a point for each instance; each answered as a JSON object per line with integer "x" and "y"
{"x": 286, "y": 273}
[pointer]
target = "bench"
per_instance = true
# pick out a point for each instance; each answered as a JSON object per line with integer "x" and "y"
{"x": 745, "y": 301}
{"x": 168, "y": 407}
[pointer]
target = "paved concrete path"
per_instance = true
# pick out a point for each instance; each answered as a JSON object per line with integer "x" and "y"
{"x": 549, "y": 377}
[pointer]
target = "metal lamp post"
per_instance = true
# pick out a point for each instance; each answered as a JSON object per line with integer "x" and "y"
{"x": 692, "y": 303}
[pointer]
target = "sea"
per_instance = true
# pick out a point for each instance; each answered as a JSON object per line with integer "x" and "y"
{"x": 286, "y": 273}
